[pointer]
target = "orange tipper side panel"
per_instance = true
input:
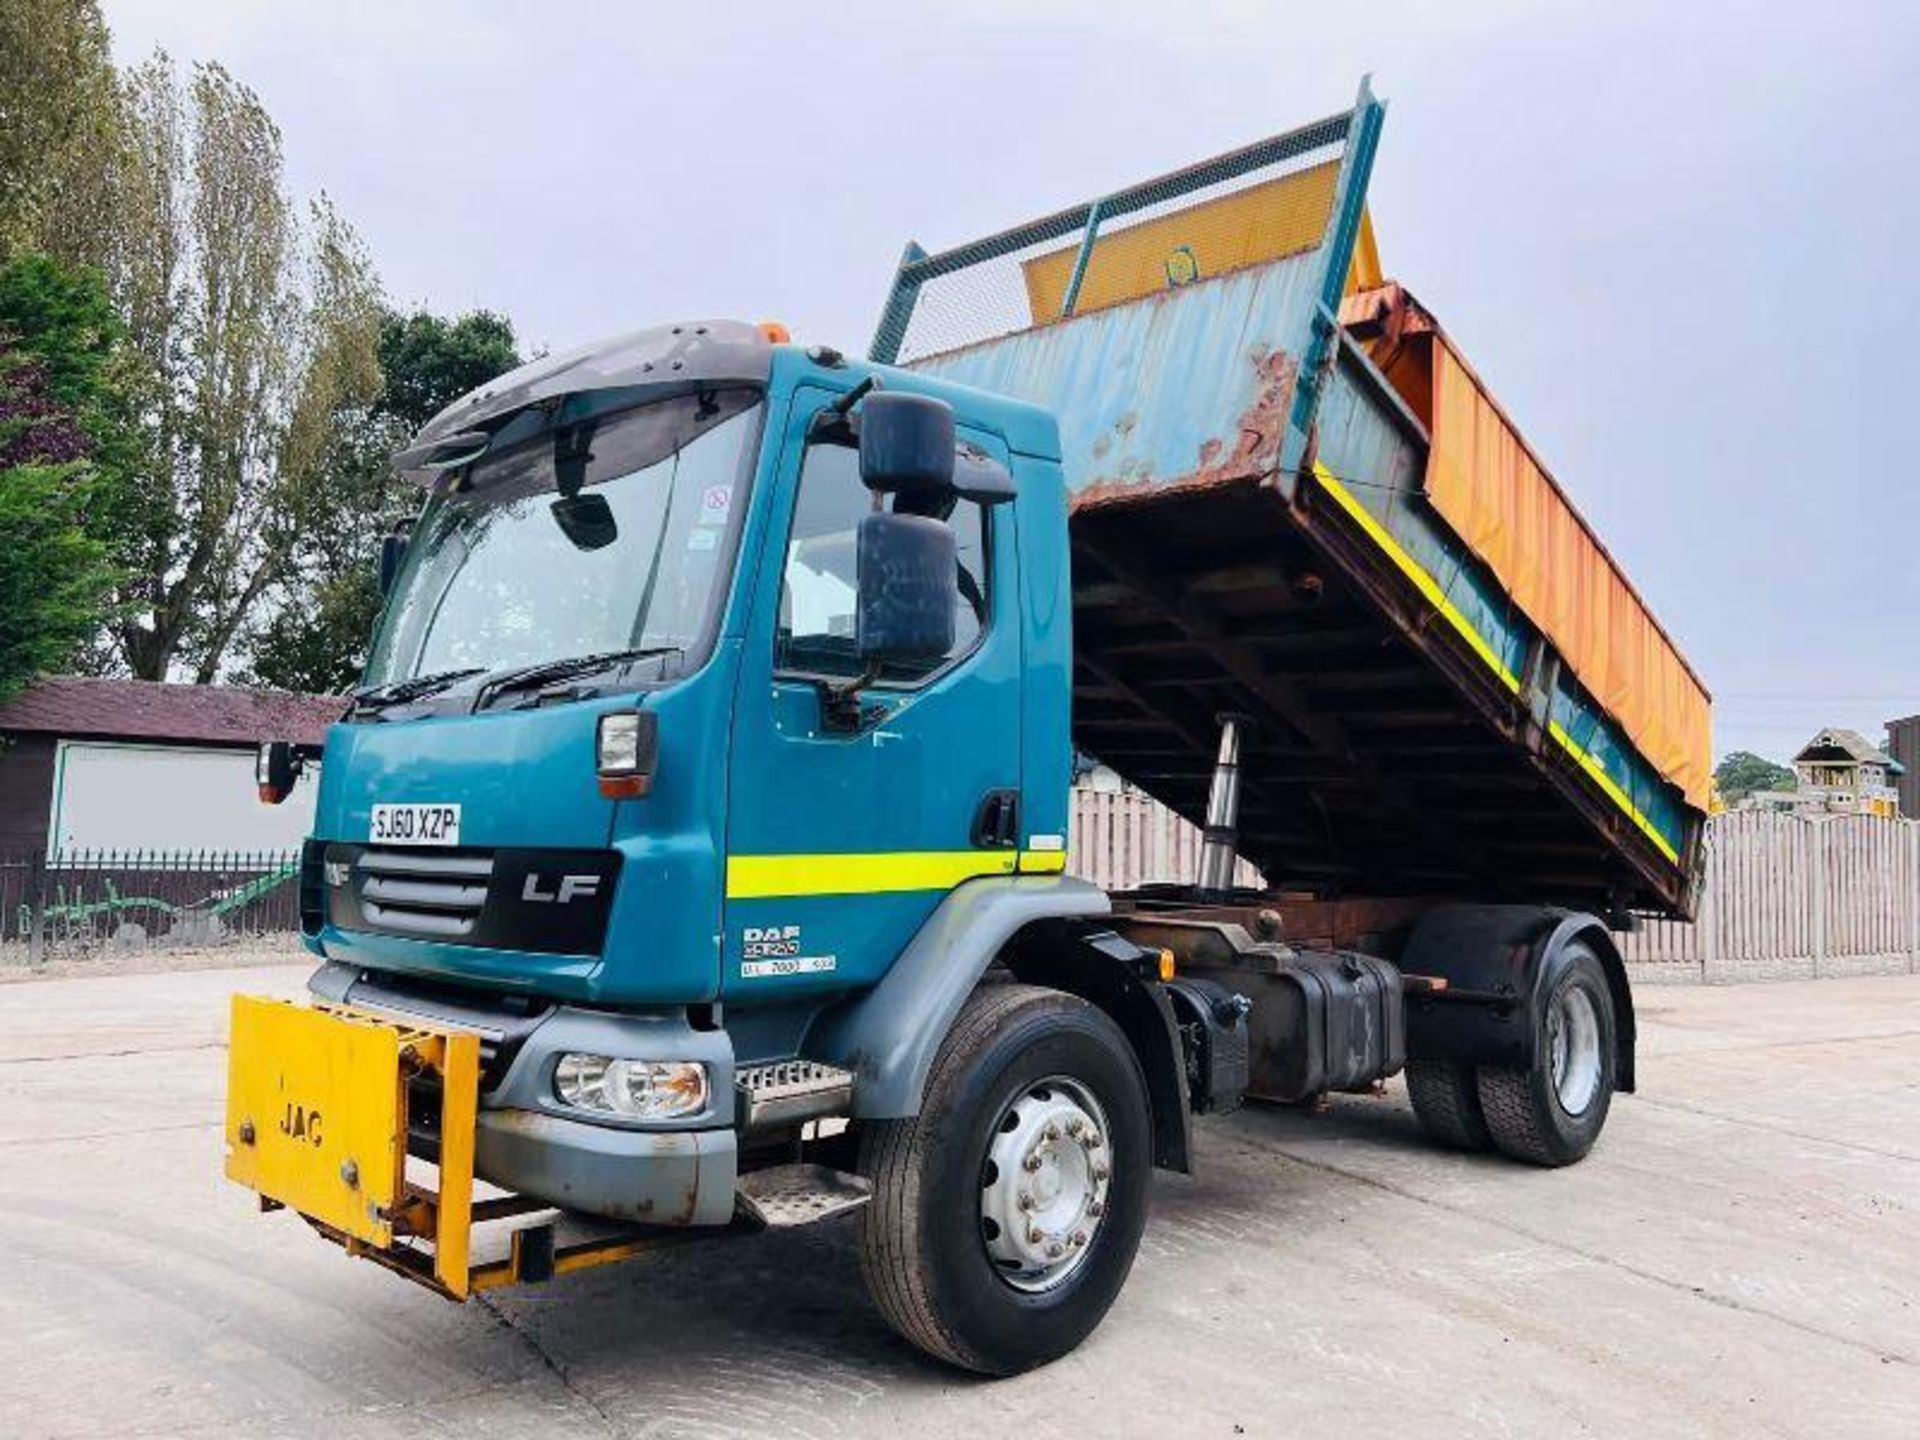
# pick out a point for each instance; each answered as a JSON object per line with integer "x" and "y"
{"x": 1495, "y": 494}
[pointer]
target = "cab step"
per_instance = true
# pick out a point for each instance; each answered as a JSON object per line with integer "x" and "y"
{"x": 784, "y": 1092}
{"x": 784, "y": 1196}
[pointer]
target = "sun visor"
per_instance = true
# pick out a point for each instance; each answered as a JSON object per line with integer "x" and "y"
{"x": 663, "y": 358}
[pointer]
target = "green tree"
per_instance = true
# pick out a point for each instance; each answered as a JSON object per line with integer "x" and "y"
{"x": 249, "y": 326}
{"x": 1743, "y": 772}
{"x": 62, "y": 317}
{"x": 427, "y": 361}
{"x": 317, "y": 639}
{"x": 255, "y": 329}
{"x": 237, "y": 461}
{"x": 55, "y": 578}
{"x": 58, "y": 126}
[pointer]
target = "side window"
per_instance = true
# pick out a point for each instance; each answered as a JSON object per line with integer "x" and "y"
{"x": 815, "y": 635}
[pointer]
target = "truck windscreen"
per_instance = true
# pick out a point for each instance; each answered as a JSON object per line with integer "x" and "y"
{"x": 608, "y": 535}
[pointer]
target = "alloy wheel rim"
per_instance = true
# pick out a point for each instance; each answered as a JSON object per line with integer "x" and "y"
{"x": 1045, "y": 1183}
{"x": 1573, "y": 1043}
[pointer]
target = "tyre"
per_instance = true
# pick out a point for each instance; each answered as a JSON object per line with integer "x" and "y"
{"x": 1446, "y": 1101}
{"x": 1006, "y": 1214}
{"x": 1551, "y": 1112}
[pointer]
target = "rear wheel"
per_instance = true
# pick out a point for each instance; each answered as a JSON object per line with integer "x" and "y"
{"x": 1446, "y": 1101}
{"x": 1552, "y": 1111}
{"x": 1006, "y": 1214}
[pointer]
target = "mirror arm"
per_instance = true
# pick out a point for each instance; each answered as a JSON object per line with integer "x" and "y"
{"x": 834, "y": 423}
{"x": 841, "y": 711}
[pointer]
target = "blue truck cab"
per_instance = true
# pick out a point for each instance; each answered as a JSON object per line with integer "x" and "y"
{"x": 771, "y": 861}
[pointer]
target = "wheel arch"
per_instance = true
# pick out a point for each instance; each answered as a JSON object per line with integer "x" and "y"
{"x": 1491, "y": 957}
{"x": 1589, "y": 928}
{"x": 1105, "y": 969}
{"x": 888, "y": 1035}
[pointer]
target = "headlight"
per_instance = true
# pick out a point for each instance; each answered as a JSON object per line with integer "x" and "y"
{"x": 626, "y": 746}
{"x": 619, "y": 742}
{"x": 632, "y": 1089}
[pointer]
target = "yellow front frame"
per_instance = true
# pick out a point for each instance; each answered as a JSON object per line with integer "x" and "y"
{"x": 317, "y": 1101}
{"x": 317, "y": 1122}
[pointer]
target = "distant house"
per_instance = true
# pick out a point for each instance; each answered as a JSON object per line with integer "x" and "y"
{"x": 1840, "y": 772}
{"x": 135, "y": 764}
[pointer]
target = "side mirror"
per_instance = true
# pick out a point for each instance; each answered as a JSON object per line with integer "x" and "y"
{"x": 908, "y": 582}
{"x": 906, "y": 445}
{"x": 393, "y": 549}
{"x": 276, "y": 765}
{"x": 586, "y": 520}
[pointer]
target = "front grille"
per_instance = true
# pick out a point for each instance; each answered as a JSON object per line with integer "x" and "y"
{"x": 554, "y": 902}
{"x": 414, "y": 892}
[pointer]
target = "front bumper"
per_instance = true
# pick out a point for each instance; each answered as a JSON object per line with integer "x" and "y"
{"x": 526, "y": 1142}
{"x": 683, "y": 1177}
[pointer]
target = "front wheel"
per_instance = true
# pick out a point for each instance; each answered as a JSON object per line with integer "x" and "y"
{"x": 1006, "y": 1214}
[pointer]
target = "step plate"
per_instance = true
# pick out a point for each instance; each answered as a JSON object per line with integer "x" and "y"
{"x": 784, "y": 1196}
{"x": 792, "y": 1090}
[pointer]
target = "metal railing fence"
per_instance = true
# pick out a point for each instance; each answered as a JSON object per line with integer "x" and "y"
{"x": 79, "y": 900}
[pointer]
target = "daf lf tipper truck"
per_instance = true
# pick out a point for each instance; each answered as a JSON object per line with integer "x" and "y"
{"x": 692, "y": 860}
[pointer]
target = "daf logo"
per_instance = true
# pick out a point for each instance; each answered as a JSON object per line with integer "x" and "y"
{"x": 570, "y": 888}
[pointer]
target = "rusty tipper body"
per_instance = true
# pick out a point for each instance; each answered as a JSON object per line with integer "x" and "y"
{"x": 692, "y": 859}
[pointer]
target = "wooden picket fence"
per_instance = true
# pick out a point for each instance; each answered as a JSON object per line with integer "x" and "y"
{"x": 1120, "y": 839}
{"x": 1782, "y": 896}
{"x": 1788, "y": 895}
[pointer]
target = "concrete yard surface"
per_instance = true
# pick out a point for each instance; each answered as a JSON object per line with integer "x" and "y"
{"x": 1741, "y": 1256}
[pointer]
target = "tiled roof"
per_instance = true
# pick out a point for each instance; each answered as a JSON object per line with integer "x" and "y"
{"x": 75, "y": 705}
{"x": 1850, "y": 742}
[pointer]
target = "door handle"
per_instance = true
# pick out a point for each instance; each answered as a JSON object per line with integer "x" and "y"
{"x": 996, "y": 824}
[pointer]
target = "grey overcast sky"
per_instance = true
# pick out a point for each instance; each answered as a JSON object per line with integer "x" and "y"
{"x": 1676, "y": 239}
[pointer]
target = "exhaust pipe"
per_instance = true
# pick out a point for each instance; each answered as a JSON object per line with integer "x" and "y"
{"x": 1220, "y": 838}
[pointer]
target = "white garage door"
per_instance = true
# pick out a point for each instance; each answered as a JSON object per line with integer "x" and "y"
{"x": 151, "y": 797}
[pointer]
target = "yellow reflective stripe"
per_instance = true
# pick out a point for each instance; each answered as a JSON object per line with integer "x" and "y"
{"x": 1415, "y": 572}
{"x": 1614, "y": 792}
{"x": 1427, "y": 587}
{"x": 1043, "y": 862}
{"x": 750, "y": 877}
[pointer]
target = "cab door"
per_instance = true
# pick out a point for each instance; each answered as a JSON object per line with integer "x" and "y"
{"x": 842, "y": 841}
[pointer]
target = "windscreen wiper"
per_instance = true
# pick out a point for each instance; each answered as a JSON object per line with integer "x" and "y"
{"x": 418, "y": 687}
{"x": 546, "y": 672}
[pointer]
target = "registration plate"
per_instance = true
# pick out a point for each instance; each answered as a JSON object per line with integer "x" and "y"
{"x": 415, "y": 824}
